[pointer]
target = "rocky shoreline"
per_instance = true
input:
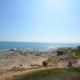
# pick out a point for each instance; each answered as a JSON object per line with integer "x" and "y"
{"x": 13, "y": 60}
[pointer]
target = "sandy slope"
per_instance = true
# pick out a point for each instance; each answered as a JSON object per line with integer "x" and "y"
{"x": 8, "y": 75}
{"x": 18, "y": 62}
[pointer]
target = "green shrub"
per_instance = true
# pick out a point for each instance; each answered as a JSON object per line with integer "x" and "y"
{"x": 75, "y": 53}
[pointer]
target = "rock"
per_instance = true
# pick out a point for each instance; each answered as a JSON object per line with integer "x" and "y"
{"x": 60, "y": 53}
{"x": 69, "y": 64}
{"x": 44, "y": 63}
{"x": 63, "y": 64}
{"x": 78, "y": 47}
{"x": 78, "y": 62}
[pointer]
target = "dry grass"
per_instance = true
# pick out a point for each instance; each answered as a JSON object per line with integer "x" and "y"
{"x": 52, "y": 74}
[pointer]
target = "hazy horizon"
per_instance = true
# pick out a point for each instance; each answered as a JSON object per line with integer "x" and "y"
{"x": 41, "y": 42}
{"x": 40, "y": 21}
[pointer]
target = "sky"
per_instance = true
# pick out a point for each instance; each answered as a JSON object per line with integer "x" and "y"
{"x": 40, "y": 20}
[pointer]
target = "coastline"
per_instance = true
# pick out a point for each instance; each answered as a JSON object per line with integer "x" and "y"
{"x": 34, "y": 45}
{"x": 15, "y": 62}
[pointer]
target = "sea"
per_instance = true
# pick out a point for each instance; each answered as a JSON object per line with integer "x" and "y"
{"x": 34, "y": 45}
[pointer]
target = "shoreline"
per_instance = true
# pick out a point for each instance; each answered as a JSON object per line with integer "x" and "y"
{"x": 35, "y": 45}
{"x": 32, "y": 49}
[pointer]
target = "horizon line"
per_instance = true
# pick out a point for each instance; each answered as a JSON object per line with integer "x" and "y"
{"x": 40, "y": 42}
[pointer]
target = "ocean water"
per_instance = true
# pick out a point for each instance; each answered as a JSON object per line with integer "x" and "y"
{"x": 34, "y": 45}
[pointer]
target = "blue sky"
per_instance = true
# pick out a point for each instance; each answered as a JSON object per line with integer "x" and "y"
{"x": 40, "y": 20}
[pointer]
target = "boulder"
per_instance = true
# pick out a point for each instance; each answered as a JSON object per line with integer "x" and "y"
{"x": 44, "y": 63}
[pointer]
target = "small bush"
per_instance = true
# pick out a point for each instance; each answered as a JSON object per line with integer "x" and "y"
{"x": 44, "y": 63}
